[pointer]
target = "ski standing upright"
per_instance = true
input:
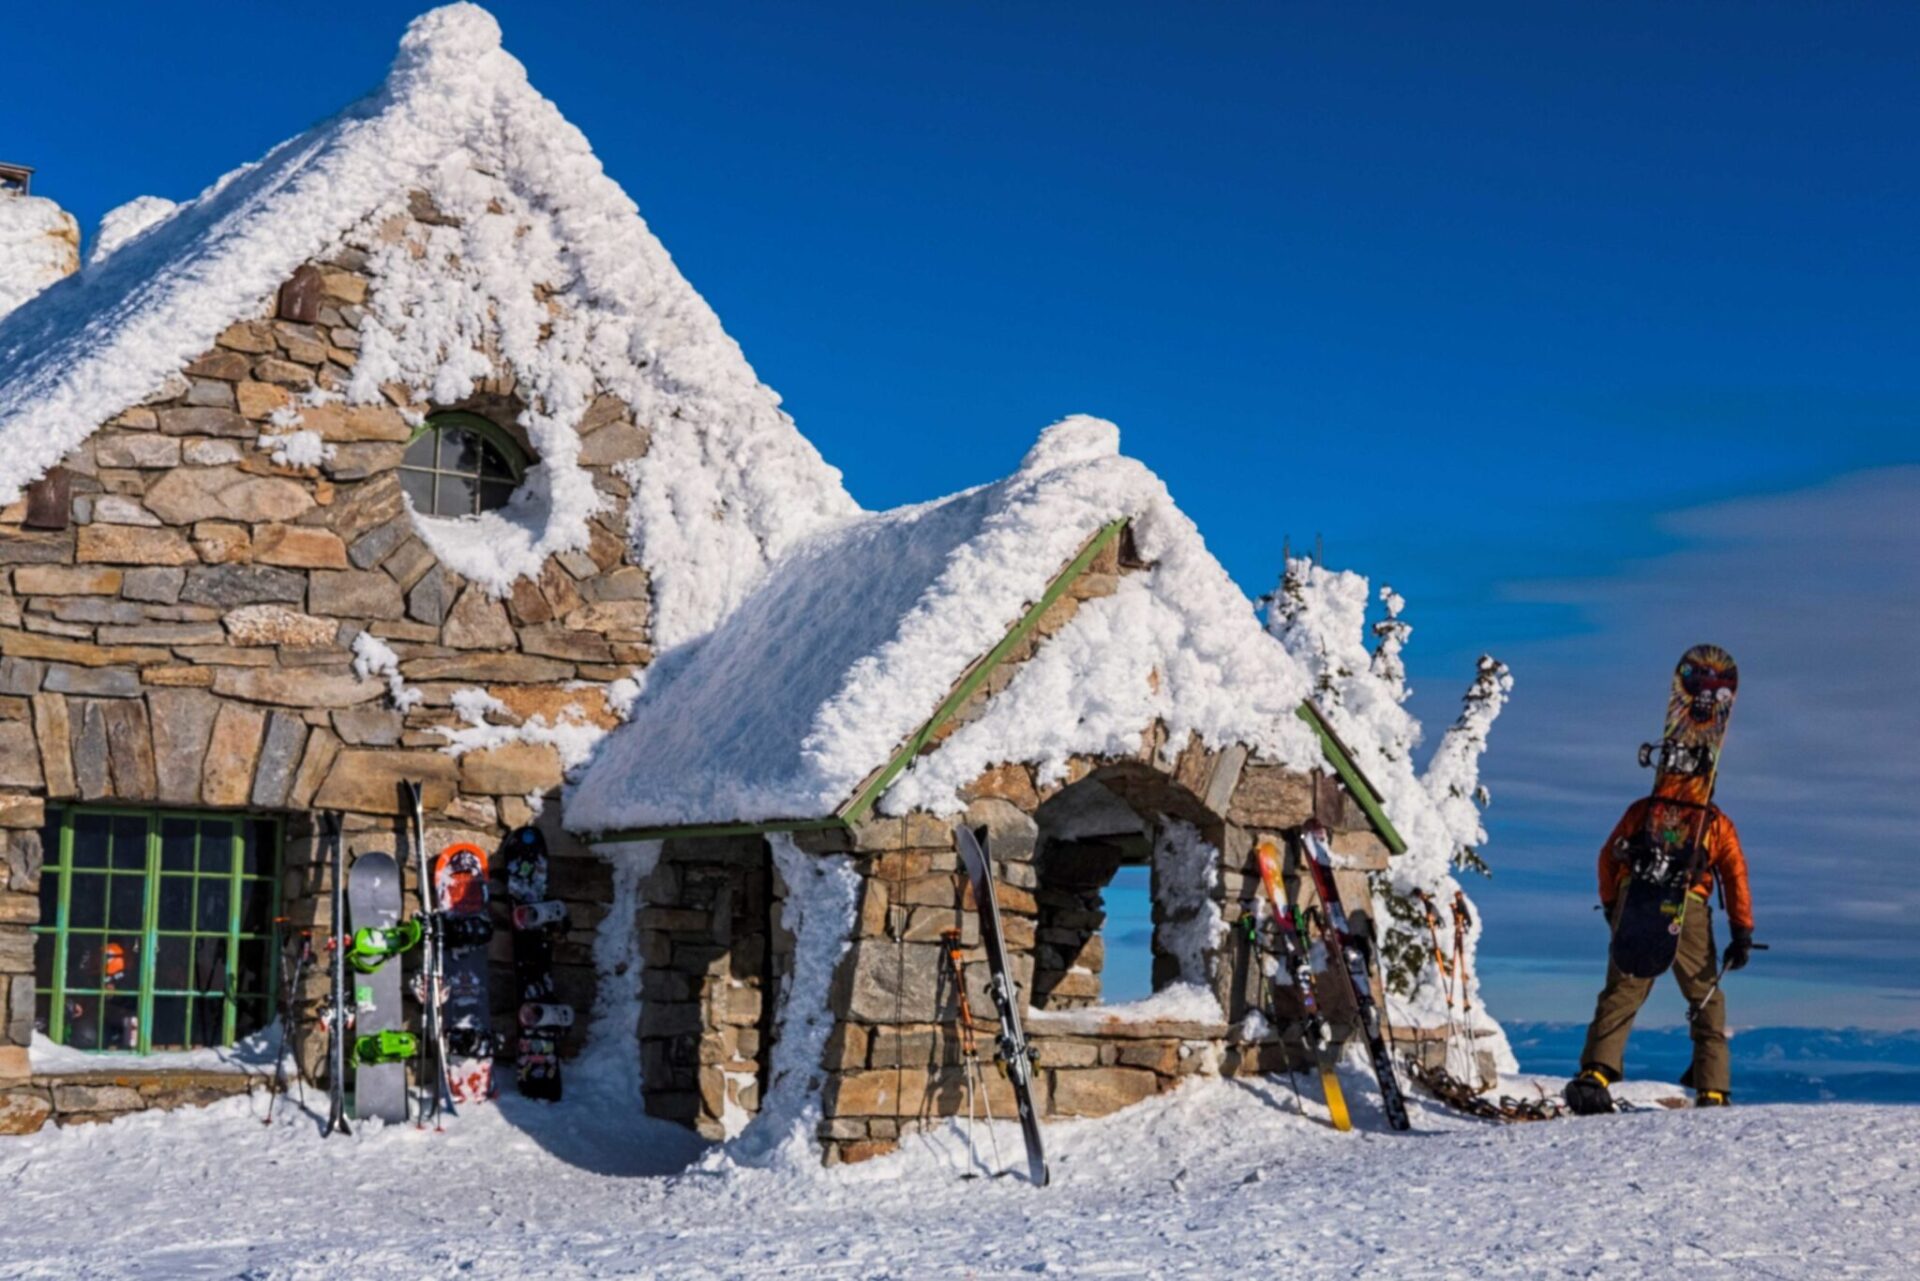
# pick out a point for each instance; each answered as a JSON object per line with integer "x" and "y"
{"x": 430, "y": 1072}
{"x": 1016, "y": 1055}
{"x": 339, "y": 1014}
{"x": 1293, "y": 955}
{"x": 1357, "y": 953}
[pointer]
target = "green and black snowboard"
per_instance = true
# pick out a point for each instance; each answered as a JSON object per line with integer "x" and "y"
{"x": 1668, "y": 853}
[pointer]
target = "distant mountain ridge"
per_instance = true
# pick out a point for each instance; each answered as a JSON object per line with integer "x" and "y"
{"x": 1770, "y": 1064}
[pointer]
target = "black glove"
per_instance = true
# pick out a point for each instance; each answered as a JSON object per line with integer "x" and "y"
{"x": 1738, "y": 952}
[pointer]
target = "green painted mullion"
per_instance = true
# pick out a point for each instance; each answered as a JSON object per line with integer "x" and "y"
{"x": 58, "y": 1027}
{"x": 236, "y": 847}
{"x": 150, "y": 935}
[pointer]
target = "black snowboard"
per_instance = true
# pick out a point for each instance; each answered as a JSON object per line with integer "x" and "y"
{"x": 537, "y": 1052}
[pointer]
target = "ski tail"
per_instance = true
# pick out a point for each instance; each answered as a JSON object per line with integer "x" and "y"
{"x": 1336, "y": 1098}
{"x": 1357, "y": 953}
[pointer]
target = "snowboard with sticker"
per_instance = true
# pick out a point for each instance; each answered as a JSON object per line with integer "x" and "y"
{"x": 373, "y": 907}
{"x": 1016, "y": 1055}
{"x": 1668, "y": 853}
{"x": 537, "y": 923}
{"x": 1293, "y": 957}
{"x": 460, "y": 886}
{"x": 1355, "y": 950}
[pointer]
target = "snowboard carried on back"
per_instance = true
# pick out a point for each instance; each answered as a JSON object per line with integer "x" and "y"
{"x": 380, "y": 1046}
{"x": 1668, "y": 853}
{"x": 537, "y": 922}
{"x": 1015, "y": 1054}
{"x": 460, "y": 886}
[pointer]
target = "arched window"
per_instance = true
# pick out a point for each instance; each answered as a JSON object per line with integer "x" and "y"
{"x": 459, "y": 464}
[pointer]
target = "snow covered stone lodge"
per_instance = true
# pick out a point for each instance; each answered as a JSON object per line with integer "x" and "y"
{"x": 405, "y": 453}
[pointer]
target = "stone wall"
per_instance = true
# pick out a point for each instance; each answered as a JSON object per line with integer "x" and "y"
{"x": 185, "y": 639}
{"x": 894, "y": 1060}
{"x": 715, "y": 954}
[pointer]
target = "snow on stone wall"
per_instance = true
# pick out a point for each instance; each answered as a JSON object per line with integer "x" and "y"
{"x": 39, "y": 244}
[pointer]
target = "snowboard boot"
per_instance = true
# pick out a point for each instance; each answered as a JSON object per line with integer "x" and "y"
{"x": 1587, "y": 1095}
{"x": 1713, "y": 1099}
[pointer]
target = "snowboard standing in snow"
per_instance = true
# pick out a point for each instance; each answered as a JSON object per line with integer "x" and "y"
{"x": 460, "y": 885}
{"x": 1293, "y": 957}
{"x": 1357, "y": 953}
{"x": 1667, "y": 853}
{"x": 537, "y": 920}
{"x": 373, "y": 907}
{"x": 1016, "y": 1056}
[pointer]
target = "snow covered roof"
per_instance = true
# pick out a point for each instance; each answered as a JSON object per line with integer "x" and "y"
{"x": 544, "y": 261}
{"x": 855, "y": 637}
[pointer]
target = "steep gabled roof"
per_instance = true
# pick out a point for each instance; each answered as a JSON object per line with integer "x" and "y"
{"x": 543, "y": 259}
{"x": 815, "y": 682}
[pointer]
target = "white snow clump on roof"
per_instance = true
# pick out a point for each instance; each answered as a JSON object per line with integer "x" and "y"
{"x": 39, "y": 244}
{"x": 551, "y": 267}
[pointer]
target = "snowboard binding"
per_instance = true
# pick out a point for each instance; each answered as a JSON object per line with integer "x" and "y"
{"x": 384, "y": 1047}
{"x": 375, "y": 945}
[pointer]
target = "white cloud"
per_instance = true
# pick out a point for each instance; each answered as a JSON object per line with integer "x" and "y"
{"x": 1817, "y": 594}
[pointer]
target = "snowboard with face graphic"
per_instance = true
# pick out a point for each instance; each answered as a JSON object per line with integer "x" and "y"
{"x": 1668, "y": 854}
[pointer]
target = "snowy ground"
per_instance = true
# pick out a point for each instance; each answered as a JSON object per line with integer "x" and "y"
{"x": 1216, "y": 1178}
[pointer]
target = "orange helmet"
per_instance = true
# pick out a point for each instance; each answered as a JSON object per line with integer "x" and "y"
{"x": 114, "y": 964}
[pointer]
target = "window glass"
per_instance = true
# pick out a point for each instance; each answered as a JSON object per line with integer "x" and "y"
{"x": 459, "y": 467}
{"x": 156, "y": 930}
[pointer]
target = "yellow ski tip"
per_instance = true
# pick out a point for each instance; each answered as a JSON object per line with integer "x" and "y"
{"x": 1336, "y": 1101}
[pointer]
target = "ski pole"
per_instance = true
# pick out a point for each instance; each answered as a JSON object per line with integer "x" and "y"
{"x": 1695, "y": 1008}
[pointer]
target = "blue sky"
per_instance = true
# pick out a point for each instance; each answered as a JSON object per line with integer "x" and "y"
{"x": 1591, "y": 330}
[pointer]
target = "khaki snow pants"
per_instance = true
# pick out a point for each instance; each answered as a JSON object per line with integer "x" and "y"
{"x": 1694, "y": 965}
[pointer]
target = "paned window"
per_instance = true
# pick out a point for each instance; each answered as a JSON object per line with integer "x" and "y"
{"x": 156, "y": 928}
{"x": 460, "y": 465}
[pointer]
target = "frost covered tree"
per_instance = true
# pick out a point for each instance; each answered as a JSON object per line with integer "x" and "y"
{"x": 1319, "y": 616}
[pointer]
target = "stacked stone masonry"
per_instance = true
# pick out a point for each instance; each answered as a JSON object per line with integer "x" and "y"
{"x": 185, "y": 640}
{"x": 716, "y": 956}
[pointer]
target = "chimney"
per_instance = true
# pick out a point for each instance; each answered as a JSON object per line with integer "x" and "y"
{"x": 15, "y": 179}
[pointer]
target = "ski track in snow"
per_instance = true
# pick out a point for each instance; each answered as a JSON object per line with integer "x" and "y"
{"x": 1218, "y": 1177}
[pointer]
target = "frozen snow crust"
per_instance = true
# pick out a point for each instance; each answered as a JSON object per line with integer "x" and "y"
{"x": 1221, "y": 1179}
{"x": 854, "y": 639}
{"x": 551, "y": 268}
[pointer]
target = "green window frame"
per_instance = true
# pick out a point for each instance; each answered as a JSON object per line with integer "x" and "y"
{"x": 157, "y": 928}
{"x": 448, "y": 477}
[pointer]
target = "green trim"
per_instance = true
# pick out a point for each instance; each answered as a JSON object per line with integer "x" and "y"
{"x": 1362, "y": 790}
{"x": 230, "y": 932}
{"x": 856, "y": 809}
{"x": 511, "y": 450}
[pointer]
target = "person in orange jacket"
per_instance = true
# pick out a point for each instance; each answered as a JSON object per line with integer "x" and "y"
{"x": 1724, "y": 863}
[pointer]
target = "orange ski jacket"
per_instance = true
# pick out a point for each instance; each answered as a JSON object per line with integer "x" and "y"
{"x": 1725, "y": 859}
